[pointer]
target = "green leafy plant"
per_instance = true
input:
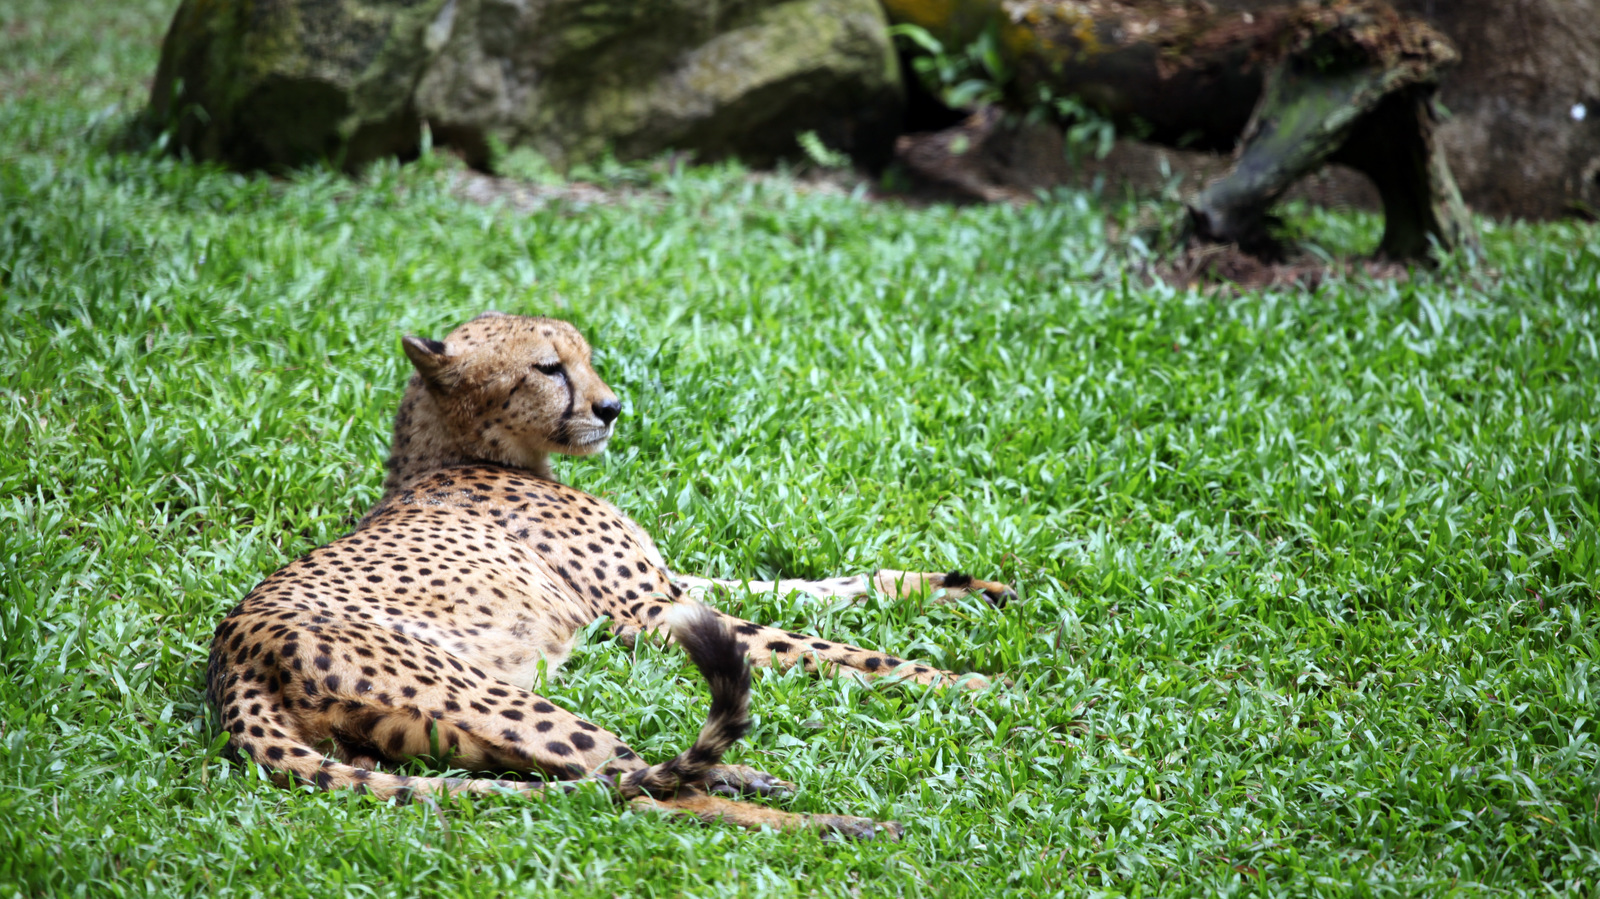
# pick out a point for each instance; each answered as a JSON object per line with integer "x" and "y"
{"x": 522, "y": 163}
{"x": 977, "y": 75}
{"x": 819, "y": 153}
{"x": 972, "y": 76}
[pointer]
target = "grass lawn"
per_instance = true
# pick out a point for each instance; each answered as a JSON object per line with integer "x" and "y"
{"x": 1309, "y": 577}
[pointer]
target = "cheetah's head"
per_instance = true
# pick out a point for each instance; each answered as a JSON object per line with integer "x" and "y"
{"x": 512, "y": 389}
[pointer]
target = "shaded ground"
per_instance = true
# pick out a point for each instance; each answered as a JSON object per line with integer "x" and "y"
{"x": 980, "y": 161}
{"x": 1225, "y": 265}
{"x": 532, "y": 196}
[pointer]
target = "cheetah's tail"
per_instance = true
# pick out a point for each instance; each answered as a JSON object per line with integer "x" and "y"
{"x": 716, "y": 652}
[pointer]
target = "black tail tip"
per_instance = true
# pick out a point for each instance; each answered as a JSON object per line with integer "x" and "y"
{"x": 713, "y": 648}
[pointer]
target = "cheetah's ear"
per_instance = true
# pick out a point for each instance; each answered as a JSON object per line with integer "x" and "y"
{"x": 432, "y": 361}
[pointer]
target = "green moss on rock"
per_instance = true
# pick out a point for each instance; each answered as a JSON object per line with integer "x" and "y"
{"x": 276, "y": 83}
{"x": 576, "y": 78}
{"x": 273, "y": 83}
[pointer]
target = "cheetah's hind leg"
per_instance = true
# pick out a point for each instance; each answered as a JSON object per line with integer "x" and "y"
{"x": 743, "y": 780}
{"x": 902, "y": 585}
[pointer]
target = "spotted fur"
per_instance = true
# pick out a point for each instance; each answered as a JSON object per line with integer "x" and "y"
{"x": 422, "y": 632}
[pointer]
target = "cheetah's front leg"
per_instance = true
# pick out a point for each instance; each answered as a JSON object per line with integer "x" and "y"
{"x": 945, "y": 587}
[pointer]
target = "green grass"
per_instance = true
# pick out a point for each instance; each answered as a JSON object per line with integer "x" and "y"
{"x": 1309, "y": 577}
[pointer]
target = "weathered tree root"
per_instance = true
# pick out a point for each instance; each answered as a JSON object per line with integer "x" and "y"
{"x": 1290, "y": 87}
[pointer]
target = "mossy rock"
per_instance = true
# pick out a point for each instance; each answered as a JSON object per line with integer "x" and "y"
{"x": 280, "y": 83}
{"x": 577, "y": 78}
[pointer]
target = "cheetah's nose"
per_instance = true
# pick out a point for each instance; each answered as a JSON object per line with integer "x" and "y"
{"x": 607, "y": 410}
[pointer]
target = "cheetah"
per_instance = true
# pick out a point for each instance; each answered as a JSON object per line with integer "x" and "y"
{"x": 423, "y": 631}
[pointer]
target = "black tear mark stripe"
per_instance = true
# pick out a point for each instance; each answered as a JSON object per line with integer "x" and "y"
{"x": 563, "y": 433}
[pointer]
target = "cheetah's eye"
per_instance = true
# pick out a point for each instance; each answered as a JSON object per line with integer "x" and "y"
{"x": 552, "y": 368}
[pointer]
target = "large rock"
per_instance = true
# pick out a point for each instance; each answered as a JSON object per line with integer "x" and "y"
{"x": 270, "y": 83}
{"x": 267, "y": 83}
{"x": 575, "y": 78}
{"x": 1524, "y": 137}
